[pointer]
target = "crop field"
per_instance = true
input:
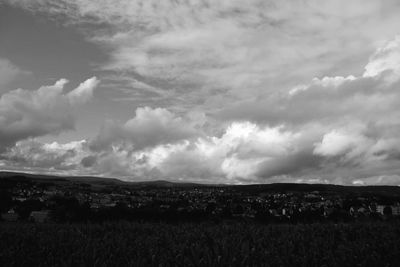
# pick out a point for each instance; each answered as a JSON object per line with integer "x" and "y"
{"x": 201, "y": 244}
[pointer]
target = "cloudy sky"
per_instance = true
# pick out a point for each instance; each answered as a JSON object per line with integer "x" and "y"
{"x": 228, "y": 91}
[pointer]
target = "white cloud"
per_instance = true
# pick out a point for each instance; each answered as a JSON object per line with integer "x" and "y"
{"x": 338, "y": 100}
{"x": 244, "y": 153}
{"x": 326, "y": 82}
{"x": 44, "y": 157}
{"x": 84, "y": 92}
{"x": 237, "y": 154}
{"x": 149, "y": 127}
{"x": 249, "y": 65}
{"x": 386, "y": 59}
{"x": 338, "y": 143}
{"x": 201, "y": 51}
{"x": 335, "y": 129}
{"x": 232, "y": 157}
{"x": 25, "y": 113}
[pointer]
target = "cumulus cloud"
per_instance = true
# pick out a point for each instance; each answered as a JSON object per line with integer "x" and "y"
{"x": 336, "y": 143}
{"x": 202, "y": 51}
{"x": 84, "y": 92}
{"x": 290, "y": 102}
{"x": 46, "y": 157}
{"x": 26, "y": 113}
{"x": 340, "y": 100}
{"x": 244, "y": 152}
{"x": 149, "y": 127}
{"x": 334, "y": 129}
{"x": 239, "y": 154}
{"x": 385, "y": 59}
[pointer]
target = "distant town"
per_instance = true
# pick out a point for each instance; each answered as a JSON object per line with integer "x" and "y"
{"x": 57, "y": 199}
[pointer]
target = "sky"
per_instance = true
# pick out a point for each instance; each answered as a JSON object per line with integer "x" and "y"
{"x": 228, "y": 91}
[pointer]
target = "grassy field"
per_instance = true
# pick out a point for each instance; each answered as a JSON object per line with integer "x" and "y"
{"x": 204, "y": 244}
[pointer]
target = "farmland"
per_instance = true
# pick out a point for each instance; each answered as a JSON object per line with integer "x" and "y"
{"x": 200, "y": 244}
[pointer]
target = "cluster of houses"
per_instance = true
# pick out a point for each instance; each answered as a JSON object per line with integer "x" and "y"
{"x": 41, "y": 216}
{"x": 213, "y": 200}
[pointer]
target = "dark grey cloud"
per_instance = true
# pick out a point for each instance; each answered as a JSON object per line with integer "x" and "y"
{"x": 297, "y": 164}
{"x": 88, "y": 161}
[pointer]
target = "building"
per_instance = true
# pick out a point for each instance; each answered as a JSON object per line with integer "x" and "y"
{"x": 388, "y": 210}
{"x": 380, "y": 208}
{"x": 10, "y": 216}
{"x": 40, "y": 216}
{"x": 396, "y": 210}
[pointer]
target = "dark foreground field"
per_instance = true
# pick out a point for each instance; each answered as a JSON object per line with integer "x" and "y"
{"x": 205, "y": 244}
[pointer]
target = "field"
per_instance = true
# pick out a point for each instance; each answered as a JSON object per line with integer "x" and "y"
{"x": 203, "y": 244}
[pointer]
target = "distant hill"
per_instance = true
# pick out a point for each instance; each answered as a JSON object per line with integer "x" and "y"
{"x": 90, "y": 180}
{"x": 393, "y": 191}
{"x": 390, "y": 191}
{"x": 56, "y": 178}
